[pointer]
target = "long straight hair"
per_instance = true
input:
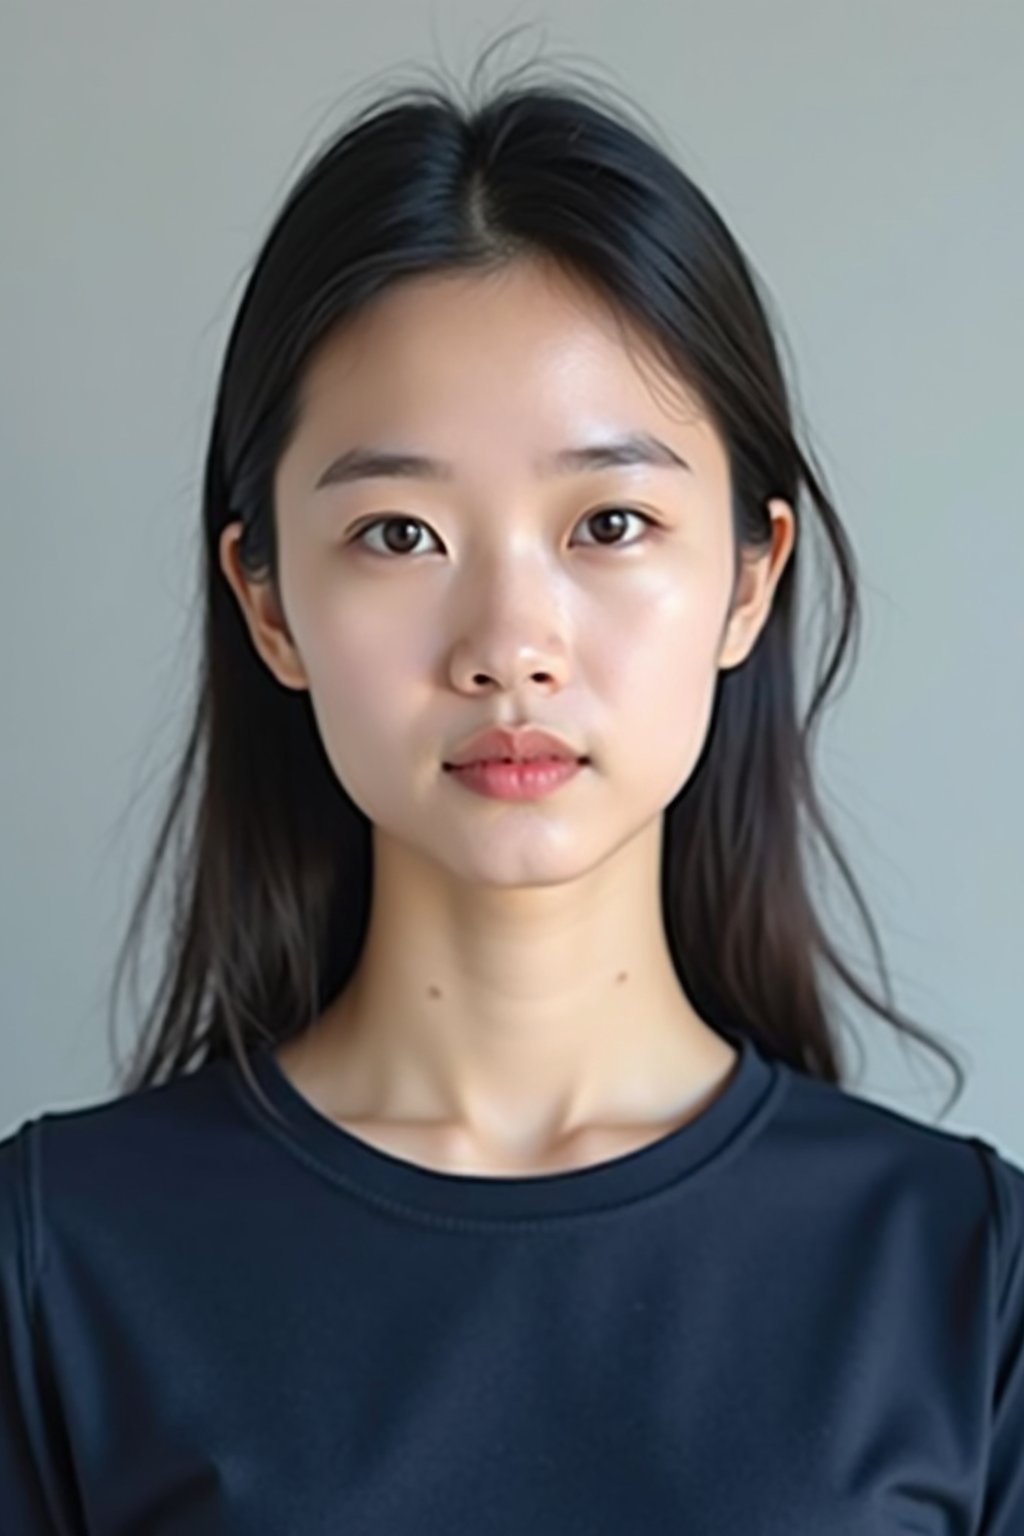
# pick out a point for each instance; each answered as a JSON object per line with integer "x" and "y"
{"x": 269, "y": 858}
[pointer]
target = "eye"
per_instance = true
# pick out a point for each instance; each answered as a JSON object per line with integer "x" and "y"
{"x": 615, "y": 516}
{"x": 612, "y": 517}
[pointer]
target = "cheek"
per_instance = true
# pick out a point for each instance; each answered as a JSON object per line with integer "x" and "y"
{"x": 360, "y": 653}
{"x": 360, "y": 735}
{"x": 653, "y": 683}
{"x": 363, "y": 696}
{"x": 662, "y": 654}
{"x": 372, "y": 686}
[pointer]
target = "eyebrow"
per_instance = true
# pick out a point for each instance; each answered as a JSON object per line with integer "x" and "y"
{"x": 362, "y": 463}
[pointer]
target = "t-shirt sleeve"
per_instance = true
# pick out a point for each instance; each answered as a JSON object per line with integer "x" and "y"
{"x": 31, "y": 1497}
{"x": 1003, "y": 1503}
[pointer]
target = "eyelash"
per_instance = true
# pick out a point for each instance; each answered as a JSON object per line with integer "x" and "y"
{"x": 396, "y": 517}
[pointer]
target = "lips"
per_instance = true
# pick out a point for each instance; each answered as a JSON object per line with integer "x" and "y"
{"x": 521, "y": 745}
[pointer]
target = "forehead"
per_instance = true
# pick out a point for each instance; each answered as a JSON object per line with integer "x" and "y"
{"x": 494, "y": 368}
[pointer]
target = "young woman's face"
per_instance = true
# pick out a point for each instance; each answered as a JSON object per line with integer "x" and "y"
{"x": 423, "y": 608}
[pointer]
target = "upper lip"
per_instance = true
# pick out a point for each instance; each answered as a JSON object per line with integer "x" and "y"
{"x": 519, "y": 744}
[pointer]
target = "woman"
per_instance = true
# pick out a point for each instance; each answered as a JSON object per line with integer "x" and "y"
{"x": 486, "y": 1164}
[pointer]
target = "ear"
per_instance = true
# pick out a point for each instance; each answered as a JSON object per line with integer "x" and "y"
{"x": 755, "y": 589}
{"x": 262, "y": 614}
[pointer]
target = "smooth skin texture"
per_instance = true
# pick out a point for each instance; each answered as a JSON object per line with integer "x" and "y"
{"x": 515, "y": 1008}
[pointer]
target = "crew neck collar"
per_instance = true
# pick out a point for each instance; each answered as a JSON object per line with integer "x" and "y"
{"x": 742, "y": 1104}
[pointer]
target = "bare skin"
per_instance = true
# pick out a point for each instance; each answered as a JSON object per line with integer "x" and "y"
{"x": 515, "y": 1009}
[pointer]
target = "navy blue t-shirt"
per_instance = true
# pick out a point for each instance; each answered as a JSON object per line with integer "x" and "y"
{"x": 800, "y": 1314}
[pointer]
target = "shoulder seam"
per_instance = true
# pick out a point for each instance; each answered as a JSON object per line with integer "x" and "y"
{"x": 27, "y": 1208}
{"x": 894, "y": 1113}
{"x": 990, "y": 1157}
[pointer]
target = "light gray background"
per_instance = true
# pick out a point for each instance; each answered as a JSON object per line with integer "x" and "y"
{"x": 870, "y": 157}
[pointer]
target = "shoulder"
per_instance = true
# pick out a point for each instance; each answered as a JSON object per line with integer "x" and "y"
{"x": 74, "y": 1166}
{"x": 19, "y": 1228}
{"x": 958, "y": 1181}
{"x": 1005, "y": 1180}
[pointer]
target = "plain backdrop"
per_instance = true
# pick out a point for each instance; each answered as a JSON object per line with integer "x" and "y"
{"x": 869, "y": 155}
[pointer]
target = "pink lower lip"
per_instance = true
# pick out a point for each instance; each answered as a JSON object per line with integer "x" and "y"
{"x": 517, "y": 781}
